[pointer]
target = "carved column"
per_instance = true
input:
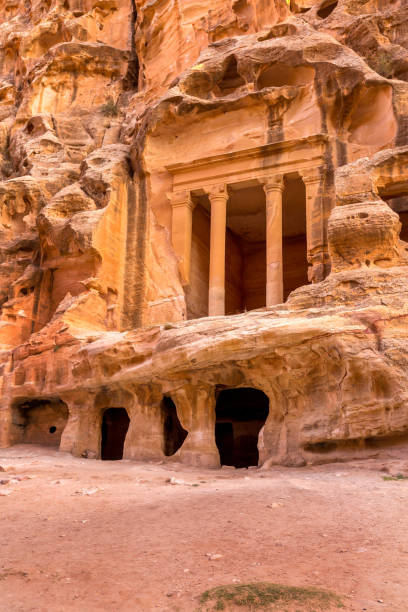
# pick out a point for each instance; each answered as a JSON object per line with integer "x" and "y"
{"x": 196, "y": 411}
{"x": 6, "y": 426}
{"x": 82, "y": 433}
{"x": 316, "y": 226}
{"x": 273, "y": 188}
{"x": 181, "y": 234}
{"x": 216, "y": 298}
{"x": 145, "y": 438}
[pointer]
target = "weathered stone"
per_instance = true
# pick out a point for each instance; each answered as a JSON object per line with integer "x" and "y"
{"x": 204, "y": 229}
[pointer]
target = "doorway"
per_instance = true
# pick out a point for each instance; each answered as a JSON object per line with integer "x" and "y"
{"x": 115, "y": 424}
{"x": 240, "y": 415}
{"x": 173, "y": 432}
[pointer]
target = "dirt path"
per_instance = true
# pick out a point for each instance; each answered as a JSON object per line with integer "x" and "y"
{"x": 84, "y": 535}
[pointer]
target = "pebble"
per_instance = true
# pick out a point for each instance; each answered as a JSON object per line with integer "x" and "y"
{"x": 175, "y": 481}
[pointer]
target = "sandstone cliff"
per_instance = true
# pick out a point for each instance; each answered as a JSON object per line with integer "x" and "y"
{"x": 123, "y": 125}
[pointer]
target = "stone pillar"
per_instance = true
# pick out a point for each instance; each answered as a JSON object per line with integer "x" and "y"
{"x": 273, "y": 188}
{"x": 181, "y": 233}
{"x": 6, "y": 437}
{"x": 145, "y": 437}
{"x": 316, "y": 226}
{"x": 216, "y": 297}
{"x": 6, "y": 410}
{"x": 82, "y": 434}
{"x": 196, "y": 411}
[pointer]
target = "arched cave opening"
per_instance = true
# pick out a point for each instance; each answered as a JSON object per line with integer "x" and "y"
{"x": 173, "y": 432}
{"x": 240, "y": 415}
{"x": 231, "y": 79}
{"x": 39, "y": 422}
{"x": 326, "y": 8}
{"x": 115, "y": 424}
{"x": 294, "y": 245}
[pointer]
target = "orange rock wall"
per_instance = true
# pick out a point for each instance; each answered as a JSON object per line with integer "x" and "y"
{"x": 109, "y": 106}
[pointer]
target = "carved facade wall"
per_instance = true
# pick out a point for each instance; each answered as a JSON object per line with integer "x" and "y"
{"x": 197, "y": 197}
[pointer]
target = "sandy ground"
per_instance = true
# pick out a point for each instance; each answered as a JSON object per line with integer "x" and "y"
{"x": 84, "y": 535}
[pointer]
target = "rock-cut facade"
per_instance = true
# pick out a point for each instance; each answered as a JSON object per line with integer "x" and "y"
{"x": 204, "y": 229}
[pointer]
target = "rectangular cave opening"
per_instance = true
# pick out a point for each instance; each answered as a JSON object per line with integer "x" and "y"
{"x": 115, "y": 425}
{"x": 240, "y": 415}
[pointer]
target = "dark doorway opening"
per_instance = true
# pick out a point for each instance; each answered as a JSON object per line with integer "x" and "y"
{"x": 399, "y": 204}
{"x": 173, "y": 432}
{"x": 115, "y": 424}
{"x": 326, "y": 8}
{"x": 240, "y": 415}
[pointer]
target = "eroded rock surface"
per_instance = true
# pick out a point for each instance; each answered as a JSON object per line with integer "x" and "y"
{"x": 197, "y": 197}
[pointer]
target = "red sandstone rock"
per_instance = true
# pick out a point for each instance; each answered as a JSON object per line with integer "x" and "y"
{"x": 163, "y": 162}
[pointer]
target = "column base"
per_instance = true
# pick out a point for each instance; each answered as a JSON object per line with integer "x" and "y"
{"x": 216, "y": 302}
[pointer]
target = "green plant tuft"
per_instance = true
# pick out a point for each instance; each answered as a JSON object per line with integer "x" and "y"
{"x": 110, "y": 108}
{"x": 396, "y": 477}
{"x": 268, "y": 596}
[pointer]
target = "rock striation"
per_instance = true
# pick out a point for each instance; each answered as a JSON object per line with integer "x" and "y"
{"x": 204, "y": 229}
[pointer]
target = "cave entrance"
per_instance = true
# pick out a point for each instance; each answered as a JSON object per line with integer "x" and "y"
{"x": 173, "y": 432}
{"x": 240, "y": 415}
{"x": 115, "y": 424}
{"x": 294, "y": 246}
{"x": 326, "y": 8}
{"x": 40, "y": 422}
{"x": 399, "y": 204}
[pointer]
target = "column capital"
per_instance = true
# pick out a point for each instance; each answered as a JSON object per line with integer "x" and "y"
{"x": 181, "y": 198}
{"x": 217, "y": 192}
{"x": 310, "y": 175}
{"x": 273, "y": 183}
